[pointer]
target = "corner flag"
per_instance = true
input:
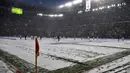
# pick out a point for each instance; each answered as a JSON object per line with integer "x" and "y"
{"x": 37, "y": 48}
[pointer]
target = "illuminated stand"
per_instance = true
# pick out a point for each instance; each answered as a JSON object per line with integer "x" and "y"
{"x": 87, "y": 5}
{"x": 70, "y": 4}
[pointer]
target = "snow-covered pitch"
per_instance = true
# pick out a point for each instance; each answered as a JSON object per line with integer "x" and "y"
{"x": 4, "y": 68}
{"x": 80, "y": 50}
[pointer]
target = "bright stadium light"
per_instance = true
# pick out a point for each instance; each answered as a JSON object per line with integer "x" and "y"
{"x": 103, "y": 7}
{"x": 51, "y": 15}
{"x": 118, "y": 5}
{"x": 77, "y": 1}
{"x": 93, "y": 9}
{"x": 55, "y": 15}
{"x": 39, "y": 14}
{"x": 108, "y": 7}
{"x": 69, "y": 4}
{"x": 61, "y": 6}
{"x": 60, "y": 15}
{"x": 113, "y": 5}
{"x": 96, "y": 9}
{"x": 100, "y": 8}
{"x": 79, "y": 12}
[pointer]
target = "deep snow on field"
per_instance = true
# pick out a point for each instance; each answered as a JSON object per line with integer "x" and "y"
{"x": 66, "y": 48}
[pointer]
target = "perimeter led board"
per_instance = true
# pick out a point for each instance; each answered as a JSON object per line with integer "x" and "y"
{"x": 17, "y": 10}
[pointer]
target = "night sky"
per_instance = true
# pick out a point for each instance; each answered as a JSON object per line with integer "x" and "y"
{"x": 44, "y": 3}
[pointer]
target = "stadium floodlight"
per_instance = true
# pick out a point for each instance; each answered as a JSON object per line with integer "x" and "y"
{"x": 100, "y": 8}
{"x": 61, "y": 6}
{"x": 96, "y": 9}
{"x": 77, "y": 1}
{"x": 118, "y": 5}
{"x": 39, "y": 14}
{"x": 60, "y": 15}
{"x": 69, "y": 4}
{"x": 93, "y": 9}
{"x": 51, "y": 15}
{"x": 55, "y": 15}
{"x": 113, "y": 5}
{"x": 79, "y": 12}
{"x": 103, "y": 7}
{"x": 108, "y": 7}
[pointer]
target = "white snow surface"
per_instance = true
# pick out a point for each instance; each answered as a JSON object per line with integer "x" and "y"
{"x": 4, "y": 68}
{"x": 66, "y": 48}
{"x": 113, "y": 64}
{"x": 109, "y": 42}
